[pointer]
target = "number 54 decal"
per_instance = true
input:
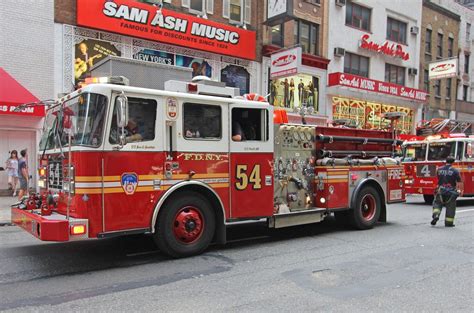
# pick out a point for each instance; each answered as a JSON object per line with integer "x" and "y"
{"x": 244, "y": 179}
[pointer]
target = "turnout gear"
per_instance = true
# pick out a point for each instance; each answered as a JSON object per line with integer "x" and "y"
{"x": 446, "y": 194}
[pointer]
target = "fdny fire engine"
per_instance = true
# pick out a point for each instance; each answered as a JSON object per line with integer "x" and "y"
{"x": 423, "y": 155}
{"x": 183, "y": 163}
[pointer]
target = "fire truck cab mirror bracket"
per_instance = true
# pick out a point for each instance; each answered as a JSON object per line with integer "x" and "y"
{"x": 122, "y": 116}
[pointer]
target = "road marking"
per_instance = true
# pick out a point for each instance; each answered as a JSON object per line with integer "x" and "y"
{"x": 460, "y": 211}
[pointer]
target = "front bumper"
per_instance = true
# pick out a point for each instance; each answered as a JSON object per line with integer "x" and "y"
{"x": 54, "y": 227}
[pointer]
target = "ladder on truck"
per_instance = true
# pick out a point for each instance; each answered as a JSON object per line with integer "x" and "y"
{"x": 439, "y": 126}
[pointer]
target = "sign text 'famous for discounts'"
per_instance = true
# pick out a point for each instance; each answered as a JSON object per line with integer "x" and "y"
{"x": 135, "y": 19}
{"x": 358, "y": 82}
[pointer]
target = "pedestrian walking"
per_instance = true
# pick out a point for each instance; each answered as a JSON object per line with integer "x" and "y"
{"x": 23, "y": 174}
{"x": 12, "y": 171}
{"x": 446, "y": 193}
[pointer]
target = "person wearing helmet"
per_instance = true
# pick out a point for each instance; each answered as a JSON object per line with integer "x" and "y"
{"x": 447, "y": 192}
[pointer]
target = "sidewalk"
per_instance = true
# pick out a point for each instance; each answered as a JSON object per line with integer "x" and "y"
{"x": 5, "y": 215}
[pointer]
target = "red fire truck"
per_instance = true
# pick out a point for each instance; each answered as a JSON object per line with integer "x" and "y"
{"x": 422, "y": 155}
{"x": 182, "y": 164}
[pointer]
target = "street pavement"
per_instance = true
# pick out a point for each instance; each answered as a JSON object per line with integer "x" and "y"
{"x": 405, "y": 265}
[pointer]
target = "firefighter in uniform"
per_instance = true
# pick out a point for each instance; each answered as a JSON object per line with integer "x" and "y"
{"x": 446, "y": 193}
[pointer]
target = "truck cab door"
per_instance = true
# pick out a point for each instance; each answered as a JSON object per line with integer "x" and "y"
{"x": 251, "y": 160}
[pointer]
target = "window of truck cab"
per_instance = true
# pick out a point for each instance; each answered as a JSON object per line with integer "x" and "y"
{"x": 202, "y": 121}
{"x": 85, "y": 117}
{"x": 251, "y": 123}
{"x": 141, "y": 121}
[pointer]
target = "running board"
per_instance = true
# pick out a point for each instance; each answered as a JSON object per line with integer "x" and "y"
{"x": 297, "y": 218}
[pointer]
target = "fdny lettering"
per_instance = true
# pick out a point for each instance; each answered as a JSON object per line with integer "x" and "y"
{"x": 203, "y": 157}
{"x": 218, "y": 34}
{"x": 124, "y": 12}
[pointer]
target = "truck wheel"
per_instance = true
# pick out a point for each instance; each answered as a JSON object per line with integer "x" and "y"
{"x": 367, "y": 209}
{"x": 185, "y": 225}
{"x": 428, "y": 199}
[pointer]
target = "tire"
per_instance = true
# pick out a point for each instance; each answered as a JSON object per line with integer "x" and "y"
{"x": 428, "y": 199}
{"x": 367, "y": 208}
{"x": 185, "y": 225}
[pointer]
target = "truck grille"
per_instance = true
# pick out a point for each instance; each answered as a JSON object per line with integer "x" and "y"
{"x": 55, "y": 175}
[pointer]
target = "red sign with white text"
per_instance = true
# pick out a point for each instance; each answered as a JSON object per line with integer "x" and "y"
{"x": 363, "y": 83}
{"x": 390, "y": 49}
{"x": 29, "y": 111}
{"x": 136, "y": 19}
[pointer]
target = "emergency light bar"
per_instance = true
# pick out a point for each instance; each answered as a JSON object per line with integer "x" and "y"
{"x": 114, "y": 80}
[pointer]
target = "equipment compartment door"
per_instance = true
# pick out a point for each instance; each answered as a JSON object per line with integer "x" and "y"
{"x": 251, "y": 161}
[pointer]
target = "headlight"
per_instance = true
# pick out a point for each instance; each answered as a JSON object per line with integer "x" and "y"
{"x": 42, "y": 183}
{"x": 322, "y": 200}
{"x": 408, "y": 181}
{"x": 68, "y": 187}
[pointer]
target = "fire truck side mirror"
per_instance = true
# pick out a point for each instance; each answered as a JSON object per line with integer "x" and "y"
{"x": 122, "y": 111}
{"x": 469, "y": 152}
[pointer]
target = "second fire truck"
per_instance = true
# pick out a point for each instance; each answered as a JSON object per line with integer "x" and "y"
{"x": 182, "y": 164}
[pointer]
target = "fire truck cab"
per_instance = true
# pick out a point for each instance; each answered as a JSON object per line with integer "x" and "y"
{"x": 422, "y": 157}
{"x": 182, "y": 164}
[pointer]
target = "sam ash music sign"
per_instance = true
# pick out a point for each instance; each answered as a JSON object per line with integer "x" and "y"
{"x": 144, "y": 21}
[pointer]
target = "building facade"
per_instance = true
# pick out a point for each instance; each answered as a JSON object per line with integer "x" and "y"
{"x": 465, "y": 79}
{"x": 440, "y": 37}
{"x": 26, "y": 71}
{"x": 216, "y": 38}
{"x": 289, "y": 24}
{"x": 374, "y": 50}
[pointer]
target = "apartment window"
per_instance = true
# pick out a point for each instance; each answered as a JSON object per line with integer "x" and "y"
{"x": 306, "y": 34}
{"x": 195, "y": 5}
{"x": 466, "y": 63}
{"x": 356, "y": 64}
{"x": 464, "y": 92}
{"x": 396, "y": 30}
{"x": 450, "y": 47}
{"x": 468, "y": 32}
{"x": 437, "y": 88}
{"x": 428, "y": 41}
{"x": 357, "y": 16}
{"x": 439, "y": 46}
{"x": 426, "y": 81}
{"x": 448, "y": 88}
{"x": 277, "y": 35}
{"x": 236, "y": 10}
{"x": 394, "y": 74}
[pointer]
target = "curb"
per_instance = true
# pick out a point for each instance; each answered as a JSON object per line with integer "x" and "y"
{"x": 3, "y": 223}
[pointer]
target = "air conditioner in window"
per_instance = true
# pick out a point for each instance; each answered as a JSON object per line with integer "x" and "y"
{"x": 341, "y": 3}
{"x": 412, "y": 71}
{"x": 414, "y": 30}
{"x": 339, "y": 52}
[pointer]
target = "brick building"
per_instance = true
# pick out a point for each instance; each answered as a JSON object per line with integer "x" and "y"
{"x": 234, "y": 60}
{"x": 303, "y": 24}
{"x": 439, "y": 40}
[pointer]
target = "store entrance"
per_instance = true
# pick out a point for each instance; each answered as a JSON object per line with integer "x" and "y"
{"x": 17, "y": 140}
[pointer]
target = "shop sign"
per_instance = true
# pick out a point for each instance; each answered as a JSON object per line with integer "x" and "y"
{"x": 154, "y": 56}
{"x": 443, "y": 69}
{"x": 363, "y": 83}
{"x": 295, "y": 91}
{"x": 135, "y": 19}
{"x": 390, "y": 49}
{"x": 28, "y": 111}
{"x": 285, "y": 63}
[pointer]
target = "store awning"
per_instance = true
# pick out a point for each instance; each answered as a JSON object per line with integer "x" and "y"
{"x": 12, "y": 94}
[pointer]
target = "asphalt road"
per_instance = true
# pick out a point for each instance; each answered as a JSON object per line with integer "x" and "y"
{"x": 402, "y": 266}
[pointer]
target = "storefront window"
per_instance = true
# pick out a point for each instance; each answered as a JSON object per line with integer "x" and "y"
{"x": 236, "y": 76}
{"x": 356, "y": 64}
{"x": 369, "y": 115}
{"x": 295, "y": 91}
{"x": 199, "y": 66}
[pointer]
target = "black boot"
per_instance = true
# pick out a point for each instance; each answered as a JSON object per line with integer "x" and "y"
{"x": 435, "y": 220}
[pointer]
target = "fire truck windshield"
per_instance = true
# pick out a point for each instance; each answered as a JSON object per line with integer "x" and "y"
{"x": 439, "y": 151}
{"x": 414, "y": 152}
{"x": 82, "y": 116}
